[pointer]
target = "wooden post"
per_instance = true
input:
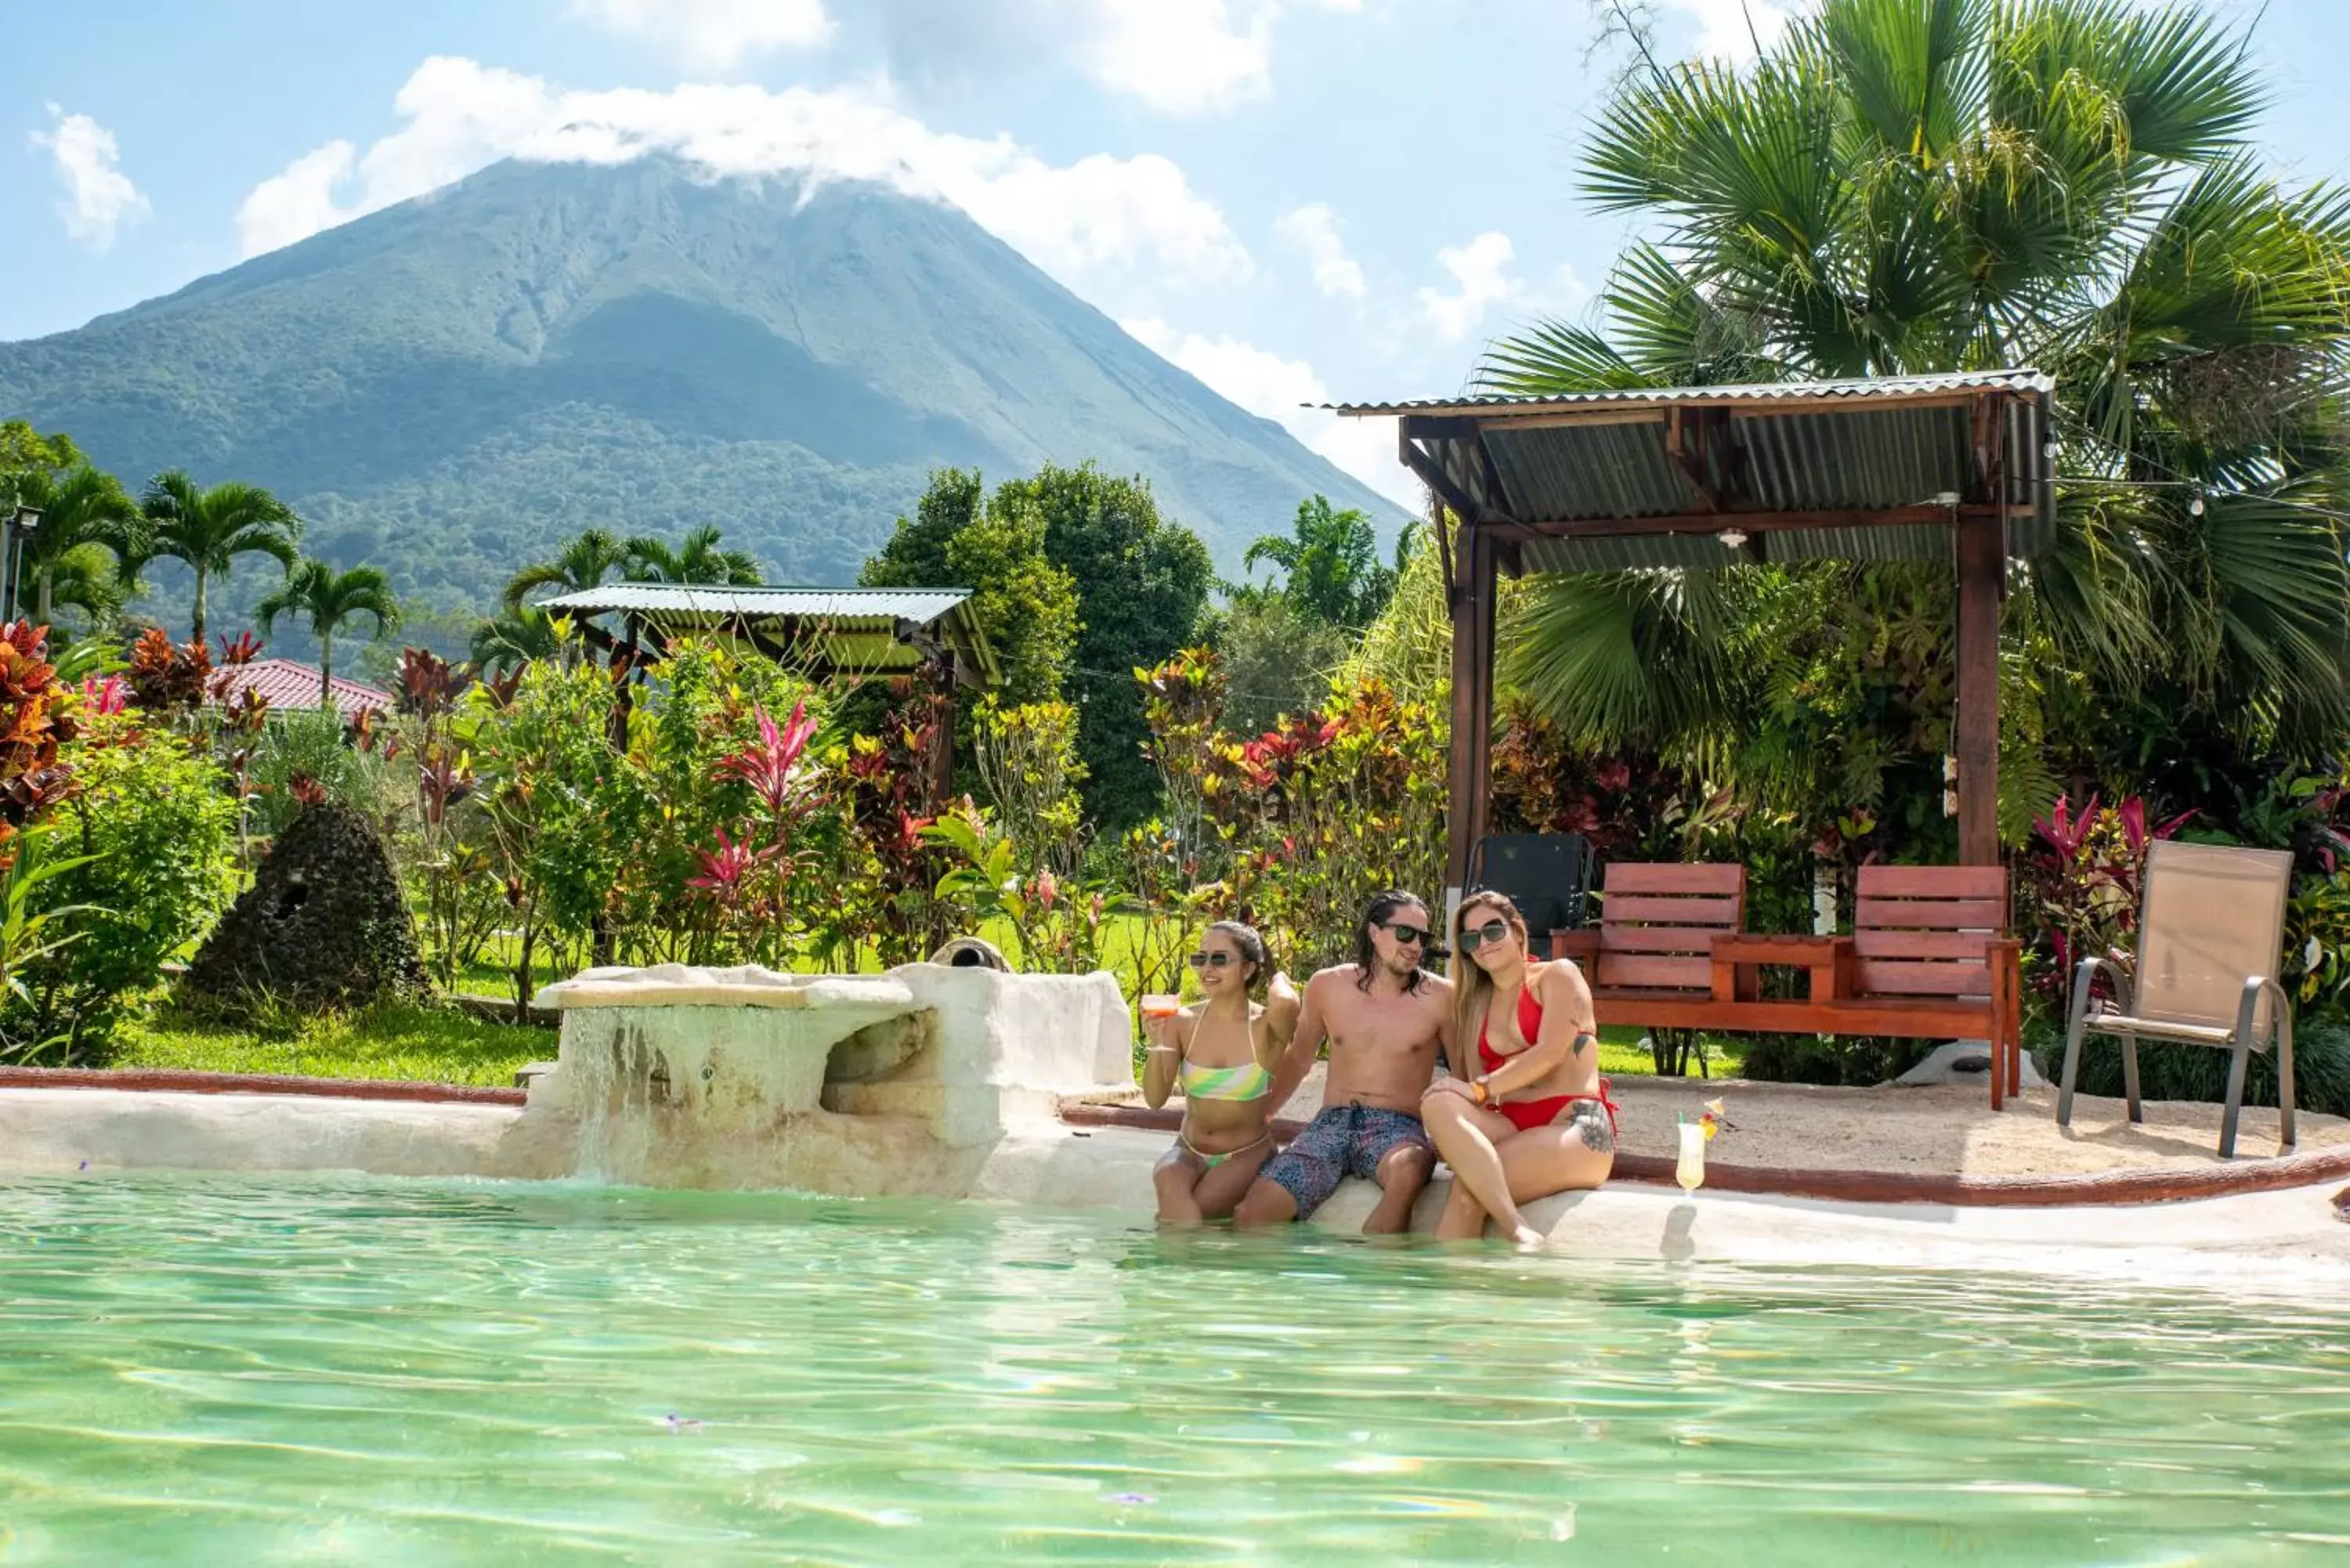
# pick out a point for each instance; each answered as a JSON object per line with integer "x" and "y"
{"x": 1983, "y": 567}
{"x": 943, "y": 735}
{"x": 1471, "y": 763}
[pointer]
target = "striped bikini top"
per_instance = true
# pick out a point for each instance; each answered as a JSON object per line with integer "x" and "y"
{"x": 1248, "y": 1080}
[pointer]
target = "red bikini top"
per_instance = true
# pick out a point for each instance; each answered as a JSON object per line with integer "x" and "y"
{"x": 1530, "y": 1018}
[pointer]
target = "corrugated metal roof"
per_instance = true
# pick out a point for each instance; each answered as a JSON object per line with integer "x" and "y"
{"x": 1873, "y": 389}
{"x": 1846, "y": 451}
{"x": 882, "y": 605}
{"x": 846, "y": 629}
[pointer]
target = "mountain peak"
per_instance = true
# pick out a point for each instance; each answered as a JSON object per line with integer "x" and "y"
{"x": 450, "y": 386}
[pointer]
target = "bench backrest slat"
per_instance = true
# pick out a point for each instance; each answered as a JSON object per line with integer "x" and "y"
{"x": 1658, "y": 922}
{"x": 1927, "y": 930}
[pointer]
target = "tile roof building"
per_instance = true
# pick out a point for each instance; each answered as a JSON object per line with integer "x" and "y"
{"x": 289, "y": 683}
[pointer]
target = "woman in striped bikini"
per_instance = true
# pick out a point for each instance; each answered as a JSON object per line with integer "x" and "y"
{"x": 1220, "y": 1050}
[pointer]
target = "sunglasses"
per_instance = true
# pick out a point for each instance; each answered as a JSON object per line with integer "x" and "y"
{"x": 1410, "y": 936}
{"x": 1474, "y": 936}
{"x": 1213, "y": 961}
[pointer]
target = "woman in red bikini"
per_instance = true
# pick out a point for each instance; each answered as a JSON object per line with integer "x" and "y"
{"x": 1535, "y": 1118}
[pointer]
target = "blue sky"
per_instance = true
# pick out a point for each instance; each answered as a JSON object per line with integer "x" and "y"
{"x": 1293, "y": 198}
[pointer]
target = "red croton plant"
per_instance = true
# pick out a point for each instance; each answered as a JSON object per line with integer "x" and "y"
{"x": 33, "y": 721}
{"x": 2082, "y": 873}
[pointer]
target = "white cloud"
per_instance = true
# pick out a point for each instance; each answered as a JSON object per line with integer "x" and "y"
{"x": 299, "y": 202}
{"x": 1730, "y": 28}
{"x": 1314, "y": 230}
{"x": 460, "y": 116}
{"x": 1179, "y": 57}
{"x": 1481, "y": 280}
{"x": 1286, "y": 391}
{"x": 715, "y": 35}
{"x": 101, "y": 200}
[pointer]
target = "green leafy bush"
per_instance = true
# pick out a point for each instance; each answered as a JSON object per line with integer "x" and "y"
{"x": 159, "y": 827}
{"x": 300, "y": 748}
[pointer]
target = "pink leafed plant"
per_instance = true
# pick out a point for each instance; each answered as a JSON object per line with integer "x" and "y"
{"x": 770, "y": 766}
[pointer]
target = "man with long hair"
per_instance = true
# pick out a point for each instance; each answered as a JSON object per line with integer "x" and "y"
{"x": 1384, "y": 1016}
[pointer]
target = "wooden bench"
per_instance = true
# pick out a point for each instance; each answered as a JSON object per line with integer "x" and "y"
{"x": 1927, "y": 958}
{"x": 1650, "y": 960}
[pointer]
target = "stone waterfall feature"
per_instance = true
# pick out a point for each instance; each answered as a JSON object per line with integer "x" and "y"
{"x": 857, "y": 1084}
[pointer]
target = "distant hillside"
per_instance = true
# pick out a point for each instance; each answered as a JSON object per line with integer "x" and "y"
{"x": 451, "y": 386}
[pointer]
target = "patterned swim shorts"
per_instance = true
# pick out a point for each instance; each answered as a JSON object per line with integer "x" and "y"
{"x": 1343, "y": 1141}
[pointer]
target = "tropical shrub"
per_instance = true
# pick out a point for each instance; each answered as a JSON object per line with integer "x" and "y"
{"x": 157, "y": 827}
{"x": 1298, "y": 827}
{"x": 303, "y": 755}
{"x": 36, "y": 720}
{"x": 2080, "y": 885}
{"x": 1024, "y": 860}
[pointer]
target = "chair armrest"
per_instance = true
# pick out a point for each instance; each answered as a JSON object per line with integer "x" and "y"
{"x": 2085, "y": 976}
{"x": 1582, "y": 946}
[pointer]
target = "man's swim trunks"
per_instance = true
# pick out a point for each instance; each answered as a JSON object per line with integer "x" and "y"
{"x": 1343, "y": 1141}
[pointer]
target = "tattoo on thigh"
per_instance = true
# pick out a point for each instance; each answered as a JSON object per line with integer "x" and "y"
{"x": 1598, "y": 1136}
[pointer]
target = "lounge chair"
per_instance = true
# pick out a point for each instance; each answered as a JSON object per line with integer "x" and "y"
{"x": 2211, "y": 936}
{"x": 1545, "y": 875}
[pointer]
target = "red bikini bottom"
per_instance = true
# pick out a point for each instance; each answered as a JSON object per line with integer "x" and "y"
{"x": 1527, "y": 1114}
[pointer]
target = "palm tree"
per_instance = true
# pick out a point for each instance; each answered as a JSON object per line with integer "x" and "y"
{"x": 1330, "y": 559}
{"x": 1905, "y": 186}
{"x": 519, "y": 636}
{"x": 582, "y": 564}
{"x": 80, "y": 507}
{"x": 696, "y": 559}
{"x": 209, "y": 529}
{"x": 326, "y": 599}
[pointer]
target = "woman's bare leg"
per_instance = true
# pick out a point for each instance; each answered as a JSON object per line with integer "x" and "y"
{"x": 1176, "y": 1178}
{"x": 1221, "y": 1190}
{"x": 1560, "y": 1157}
{"x": 1471, "y": 1138}
{"x": 1463, "y": 1218}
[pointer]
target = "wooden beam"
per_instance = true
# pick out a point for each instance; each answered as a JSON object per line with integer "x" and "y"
{"x": 1686, "y": 440}
{"x": 1431, "y": 473}
{"x": 1983, "y": 578}
{"x": 1469, "y": 762}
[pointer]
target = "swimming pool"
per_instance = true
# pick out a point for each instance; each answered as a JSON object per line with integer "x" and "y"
{"x": 230, "y": 1371}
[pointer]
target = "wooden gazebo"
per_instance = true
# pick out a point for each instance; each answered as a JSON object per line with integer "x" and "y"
{"x": 825, "y": 634}
{"x": 1955, "y": 467}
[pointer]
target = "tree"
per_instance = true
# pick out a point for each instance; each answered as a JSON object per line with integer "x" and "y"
{"x": 1331, "y": 567}
{"x": 80, "y": 507}
{"x": 209, "y": 529}
{"x": 1142, "y": 586}
{"x": 517, "y": 637}
{"x": 697, "y": 558}
{"x": 327, "y": 599}
{"x": 1915, "y": 186}
{"x": 1276, "y": 660}
{"x": 582, "y": 564}
{"x": 1026, "y": 606}
{"x": 22, "y": 447}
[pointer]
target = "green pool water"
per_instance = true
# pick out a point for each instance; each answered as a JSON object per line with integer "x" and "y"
{"x": 233, "y": 1372}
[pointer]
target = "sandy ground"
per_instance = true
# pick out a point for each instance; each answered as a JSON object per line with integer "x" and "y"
{"x": 1948, "y": 1129}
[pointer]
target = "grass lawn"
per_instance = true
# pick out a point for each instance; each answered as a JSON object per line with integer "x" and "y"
{"x": 442, "y": 1045}
{"x": 400, "y": 1040}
